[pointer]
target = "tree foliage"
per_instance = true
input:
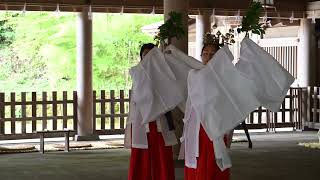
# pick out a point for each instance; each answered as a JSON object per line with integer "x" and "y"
{"x": 250, "y": 21}
{"x": 7, "y": 33}
{"x": 42, "y": 56}
{"x": 172, "y": 28}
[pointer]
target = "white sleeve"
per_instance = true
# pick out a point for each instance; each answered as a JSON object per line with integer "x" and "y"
{"x": 156, "y": 91}
{"x": 181, "y": 64}
{"x": 272, "y": 81}
{"x": 225, "y": 97}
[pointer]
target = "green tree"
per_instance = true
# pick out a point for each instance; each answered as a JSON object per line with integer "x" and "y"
{"x": 7, "y": 32}
{"x": 42, "y": 56}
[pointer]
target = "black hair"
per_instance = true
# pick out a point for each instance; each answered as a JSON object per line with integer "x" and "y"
{"x": 216, "y": 46}
{"x": 146, "y": 46}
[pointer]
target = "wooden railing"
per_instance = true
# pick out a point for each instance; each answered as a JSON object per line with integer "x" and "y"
{"x": 313, "y": 108}
{"x": 290, "y": 114}
{"x": 110, "y": 111}
{"x": 21, "y": 115}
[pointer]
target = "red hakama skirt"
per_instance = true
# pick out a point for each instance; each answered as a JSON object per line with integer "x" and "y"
{"x": 154, "y": 163}
{"x": 207, "y": 168}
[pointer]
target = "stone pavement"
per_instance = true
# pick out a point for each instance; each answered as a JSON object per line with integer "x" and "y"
{"x": 275, "y": 156}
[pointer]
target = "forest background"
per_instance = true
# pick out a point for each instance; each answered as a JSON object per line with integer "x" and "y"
{"x": 38, "y": 50}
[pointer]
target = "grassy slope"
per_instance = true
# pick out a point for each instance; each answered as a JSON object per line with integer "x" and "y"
{"x": 43, "y": 57}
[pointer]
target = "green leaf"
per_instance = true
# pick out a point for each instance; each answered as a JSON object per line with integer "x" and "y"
{"x": 250, "y": 21}
{"x": 172, "y": 28}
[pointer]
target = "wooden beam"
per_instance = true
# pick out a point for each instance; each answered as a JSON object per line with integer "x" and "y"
{"x": 223, "y": 7}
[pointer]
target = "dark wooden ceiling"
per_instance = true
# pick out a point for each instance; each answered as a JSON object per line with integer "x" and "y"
{"x": 222, "y": 7}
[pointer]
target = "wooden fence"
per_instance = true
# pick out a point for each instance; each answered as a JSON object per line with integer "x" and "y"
{"x": 21, "y": 115}
{"x": 290, "y": 114}
{"x": 313, "y": 108}
{"x": 110, "y": 111}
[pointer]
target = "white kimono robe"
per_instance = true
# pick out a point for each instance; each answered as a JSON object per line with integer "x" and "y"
{"x": 136, "y": 132}
{"x": 221, "y": 98}
{"x": 181, "y": 64}
{"x": 155, "y": 89}
{"x": 270, "y": 78}
{"x": 190, "y": 138}
{"x": 228, "y": 94}
{"x": 155, "y": 92}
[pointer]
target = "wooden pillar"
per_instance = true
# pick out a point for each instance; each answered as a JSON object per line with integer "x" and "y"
{"x": 306, "y": 66}
{"x": 180, "y": 6}
{"x": 84, "y": 77}
{"x": 203, "y": 26}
